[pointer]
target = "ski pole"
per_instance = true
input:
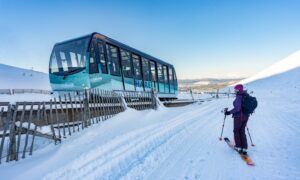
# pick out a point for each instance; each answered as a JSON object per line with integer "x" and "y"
{"x": 250, "y": 137}
{"x": 223, "y": 124}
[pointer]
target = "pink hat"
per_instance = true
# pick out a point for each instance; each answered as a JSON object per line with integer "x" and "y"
{"x": 239, "y": 87}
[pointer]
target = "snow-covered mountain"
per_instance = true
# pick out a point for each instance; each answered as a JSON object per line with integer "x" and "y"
{"x": 182, "y": 143}
{"x": 18, "y": 78}
{"x": 280, "y": 80}
{"x": 287, "y": 64}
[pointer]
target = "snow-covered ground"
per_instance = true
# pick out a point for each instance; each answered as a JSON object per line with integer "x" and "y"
{"x": 180, "y": 143}
{"x": 195, "y": 95}
{"x": 18, "y": 78}
{"x": 174, "y": 143}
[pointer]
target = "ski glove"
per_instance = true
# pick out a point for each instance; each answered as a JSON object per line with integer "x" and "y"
{"x": 227, "y": 113}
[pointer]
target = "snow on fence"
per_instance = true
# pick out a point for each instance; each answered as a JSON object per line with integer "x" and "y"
{"x": 60, "y": 117}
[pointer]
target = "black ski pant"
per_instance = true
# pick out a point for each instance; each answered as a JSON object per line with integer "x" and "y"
{"x": 239, "y": 126}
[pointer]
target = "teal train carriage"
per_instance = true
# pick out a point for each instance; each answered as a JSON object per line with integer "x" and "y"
{"x": 96, "y": 61}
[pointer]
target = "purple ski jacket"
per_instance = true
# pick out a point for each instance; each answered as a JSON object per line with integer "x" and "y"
{"x": 237, "y": 105}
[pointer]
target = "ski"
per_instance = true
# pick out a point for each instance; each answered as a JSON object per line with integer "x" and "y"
{"x": 245, "y": 158}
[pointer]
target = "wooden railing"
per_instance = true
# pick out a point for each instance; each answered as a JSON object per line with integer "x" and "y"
{"x": 21, "y": 123}
{"x": 23, "y": 91}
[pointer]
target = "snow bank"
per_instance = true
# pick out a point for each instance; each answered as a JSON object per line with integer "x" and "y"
{"x": 18, "y": 78}
{"x": 288, "y": 63}
{"x": 180, "y": 143}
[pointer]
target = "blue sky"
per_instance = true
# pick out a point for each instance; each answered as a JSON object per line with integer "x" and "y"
{"x": 204, "y": 38}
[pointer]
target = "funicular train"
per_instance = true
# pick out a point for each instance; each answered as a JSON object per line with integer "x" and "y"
{"x": 97, "y": 61}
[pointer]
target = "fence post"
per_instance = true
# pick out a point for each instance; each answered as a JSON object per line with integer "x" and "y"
{"x": 28, "y": 128}
{"x": 108, "y": 110}
{"x": 20, "y": 131}
{"x": 192, "y": 94}
{"x": 139, "y": 102}
{"x": 154, "y": 104}
{"x": 57, "y": 119}
{"x": 35, "y": 128}
{"x": 228, "y": 92}
{"x": 102, "y": 111}
{"x": 110, "y": 98}
{"x": 62, "y": 113}
{"x": 98, "y": 105}
{"x": 95, "y": 117}
{"x": 123, "y": 102}
{"x": 96, "y": 112}
{"x": 5, "y": 126}
{"x": 114, "y": 107}
{"x": 107, "y": 103}
{"x": 77, "y": 112}
{"x": 91, "y": 106}
{"x": 50, "y": 117}
{"x": 80, "y": 100}
{"x": 72, "y": 111}
{"x": 67, "y": 114}
{"x": 104, "y": 104}
{"x": 11, "y": 155}
{"x": 85, "y": 109}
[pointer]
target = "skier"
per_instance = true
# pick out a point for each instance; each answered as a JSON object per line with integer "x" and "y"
{"x": 240, "y": 120}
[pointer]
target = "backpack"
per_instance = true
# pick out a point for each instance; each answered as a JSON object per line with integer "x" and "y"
{"x": 249, "y": 104}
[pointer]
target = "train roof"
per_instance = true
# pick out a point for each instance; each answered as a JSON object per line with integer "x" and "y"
{"x": 117, "y": 43}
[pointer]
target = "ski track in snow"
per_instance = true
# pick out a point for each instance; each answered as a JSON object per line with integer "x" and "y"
{"x": 174, "y": 143}
{"x": 129, "y": 150}
{"x": 182, "y": 145}
{"x": 187, "y": 147}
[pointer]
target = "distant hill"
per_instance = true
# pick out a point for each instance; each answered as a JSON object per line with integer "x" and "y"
{"x": 205, "y": 84}
{"x": 280, "y": 79}
{"x": 18, "y": 78}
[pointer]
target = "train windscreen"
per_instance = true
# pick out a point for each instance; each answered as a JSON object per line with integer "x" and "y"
{"x": 69, "y": 58}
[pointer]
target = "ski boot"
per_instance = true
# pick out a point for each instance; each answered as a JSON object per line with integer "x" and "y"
{"x": 243, "y": 151}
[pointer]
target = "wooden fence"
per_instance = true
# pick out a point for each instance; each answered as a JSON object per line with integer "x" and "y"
{"x": 22, "y": 122}
{"x": 23, "y": 91}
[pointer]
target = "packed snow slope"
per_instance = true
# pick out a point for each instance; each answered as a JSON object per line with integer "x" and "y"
{"x": 287, "y": 64}
{"x": 179, "y": 143}
{"x": 18, "y": 78}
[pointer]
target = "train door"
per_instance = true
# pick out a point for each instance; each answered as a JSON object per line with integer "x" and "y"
{"x": 98, "y": 72}
{"x": 146, "y": 74}
{"x": 171, "y": 80}
{"x": 166, "y": 78}
{"x": 161, "y": 81}
{"x": 126, "y": 62}
{"x": 114, "y": 67}
{"x": 175, "y": 82}
{"x": 138, "y": 82}
{"x": 154, "y": 84}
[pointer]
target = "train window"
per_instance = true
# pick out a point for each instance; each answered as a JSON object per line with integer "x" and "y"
{"x": 113, "y": 57}
{"x": 171, "y": 79}
{"x": 146, "y": 71}
{"x": 160, "y": 73}
{"x": 69, "y": 58}
{"x": 153, "y": 71}
{"x": 64, "y": 62}
{"x": 101, "y": 55}
{"x": 136, "y": 66}
{"x": 93, "y": 64}
{"x": 54, "y": 65}
{"x": 166, "y": 74}
{"x": 73, "y": 59}
{"x": 126, "y": 63}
